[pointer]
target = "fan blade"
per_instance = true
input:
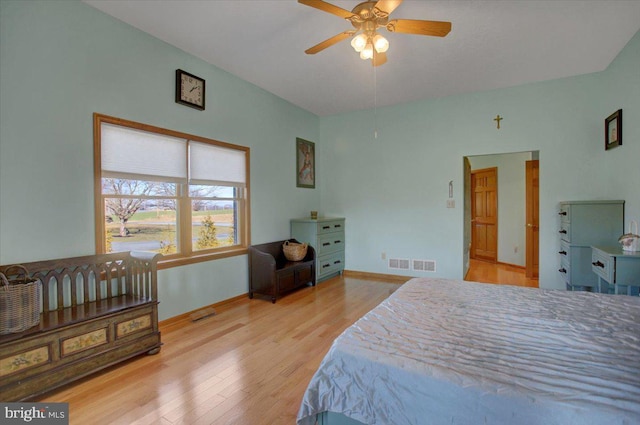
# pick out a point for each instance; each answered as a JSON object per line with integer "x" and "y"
{"x": 327, "y": 7}
{"x": 329, "y": 42}
{"x": 378, "y": 58}
{"x": 387, "y": 6}
{"x": 414, "y": 26}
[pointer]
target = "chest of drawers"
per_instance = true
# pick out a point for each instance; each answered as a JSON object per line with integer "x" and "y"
{"x": 583, "y": 224}
{"x": 326, "y": 236}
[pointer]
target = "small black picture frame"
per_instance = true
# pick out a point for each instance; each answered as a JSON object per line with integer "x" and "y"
{"x": 305, "y": 164}
{"x": 613, "y": 130}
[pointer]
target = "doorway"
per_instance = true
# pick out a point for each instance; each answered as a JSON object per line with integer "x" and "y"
{"x": 516, "y": 190}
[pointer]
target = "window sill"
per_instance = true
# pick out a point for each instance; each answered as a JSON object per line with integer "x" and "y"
{"x": 183, "y": 261}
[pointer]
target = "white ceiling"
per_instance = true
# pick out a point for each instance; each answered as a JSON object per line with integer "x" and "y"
{"x": 492, "y": 44}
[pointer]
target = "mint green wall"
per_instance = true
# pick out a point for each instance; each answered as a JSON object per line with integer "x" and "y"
{"x": 511, "y": 203}
{"x": 620, "y": 89}
{"x": 393, "y": 189}
{"x": 61, "y": 61}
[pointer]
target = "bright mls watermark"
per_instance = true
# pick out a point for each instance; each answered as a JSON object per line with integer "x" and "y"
{"x": 34, "y": 413}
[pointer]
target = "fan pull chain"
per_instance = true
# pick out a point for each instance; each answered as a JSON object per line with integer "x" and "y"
{"x": 375, "y": 103}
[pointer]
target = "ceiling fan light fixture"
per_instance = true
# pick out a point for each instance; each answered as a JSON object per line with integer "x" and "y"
{"x": 359, "y": 42}
{"x": 366, "y": 18}
{"x": 380, "y": 43}
{"x": 367, "y": 52}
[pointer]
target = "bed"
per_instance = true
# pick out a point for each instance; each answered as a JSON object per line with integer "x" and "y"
{"x": 442, "y": 351}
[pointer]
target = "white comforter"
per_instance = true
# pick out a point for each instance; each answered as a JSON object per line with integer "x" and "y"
{"x": 442, "y": 351}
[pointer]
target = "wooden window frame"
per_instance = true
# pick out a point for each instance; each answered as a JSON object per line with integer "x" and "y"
{"x": 184, "y": 221}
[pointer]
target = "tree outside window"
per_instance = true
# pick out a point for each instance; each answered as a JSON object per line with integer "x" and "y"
{"x": 147, "y": 202}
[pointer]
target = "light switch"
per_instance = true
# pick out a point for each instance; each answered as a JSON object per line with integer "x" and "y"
{"x": 451, "y": 203}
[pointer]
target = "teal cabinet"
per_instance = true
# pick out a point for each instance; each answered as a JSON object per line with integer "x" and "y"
{"x": 583, "y": 224}
{"x": 327, "y": 237}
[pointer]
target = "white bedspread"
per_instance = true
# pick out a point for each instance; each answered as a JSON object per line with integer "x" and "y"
{"x": 442, "y": 351}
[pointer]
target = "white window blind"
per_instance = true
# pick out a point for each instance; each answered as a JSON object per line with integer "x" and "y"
{"x": 131, "y": 153}
{"x": 209, "y": 164}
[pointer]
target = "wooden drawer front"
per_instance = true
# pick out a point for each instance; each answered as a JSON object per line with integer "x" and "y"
{"x": 565, "y": 231}
{"x": 129, "y": 326}
{"x": 565, "y": 213}
{"x": 84, "y": 341}
{"x": 565, "y": 270}
{"x": 330, "y": 226}
{"x": 331, "y": 264}
{"x": 330, "y": 242}
{"x": 603, "y": 265}
{"x": 565, "y": 250}
{"x": 25, "y": 359}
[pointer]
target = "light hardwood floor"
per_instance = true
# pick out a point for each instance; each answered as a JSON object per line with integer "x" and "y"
{"x": 248, "y": 364}
{"x": 498, "y": 273}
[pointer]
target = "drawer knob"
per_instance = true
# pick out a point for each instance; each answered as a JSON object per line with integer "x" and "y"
{"x": 326, "y": 244}
{"x": 337, "y": 241}
{"x": 326, "y": 227}
{"x": 337, "y": 262}
{"x": 563, "y": 231}
{"x": 326, "y": 265}
{"x": 562, "y": 270}
{"x": 562, "y": 213}
{"x": 562, "y": 252}
{"x": 598, "y": 264}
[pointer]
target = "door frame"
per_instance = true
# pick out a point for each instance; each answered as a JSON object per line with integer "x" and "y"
{"x": 466, "y": 220}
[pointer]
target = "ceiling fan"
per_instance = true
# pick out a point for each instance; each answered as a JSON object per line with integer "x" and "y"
{"x": 366, "y": 18}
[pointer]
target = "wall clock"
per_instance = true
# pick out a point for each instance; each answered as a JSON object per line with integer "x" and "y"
{"x": 190, "y": 90}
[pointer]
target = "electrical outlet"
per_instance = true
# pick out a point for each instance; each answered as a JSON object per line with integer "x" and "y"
{"x": 383, "y": 256}
{"x": 451, "y": 203}
{"x": 515, "y": 249}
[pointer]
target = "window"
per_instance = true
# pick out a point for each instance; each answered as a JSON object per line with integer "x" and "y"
{"x": 160, "y": 190}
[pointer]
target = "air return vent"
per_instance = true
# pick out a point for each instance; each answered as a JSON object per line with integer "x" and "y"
{"x": 424, "y": 265}
{"x": 399, "y": 263}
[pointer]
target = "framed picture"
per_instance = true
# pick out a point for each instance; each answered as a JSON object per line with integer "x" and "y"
{"x": 305, "y": 164}
{"x": 613, "y": 130}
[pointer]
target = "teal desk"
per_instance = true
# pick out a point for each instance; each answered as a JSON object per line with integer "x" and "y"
{"x": 620, "y": 270}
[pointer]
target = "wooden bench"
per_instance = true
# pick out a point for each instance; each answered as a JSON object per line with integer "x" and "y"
{"x": 98, "y": 310}
{"x": 270, "y": 273}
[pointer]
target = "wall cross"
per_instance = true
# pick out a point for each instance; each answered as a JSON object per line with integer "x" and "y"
{"x": 497, "y": 119}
